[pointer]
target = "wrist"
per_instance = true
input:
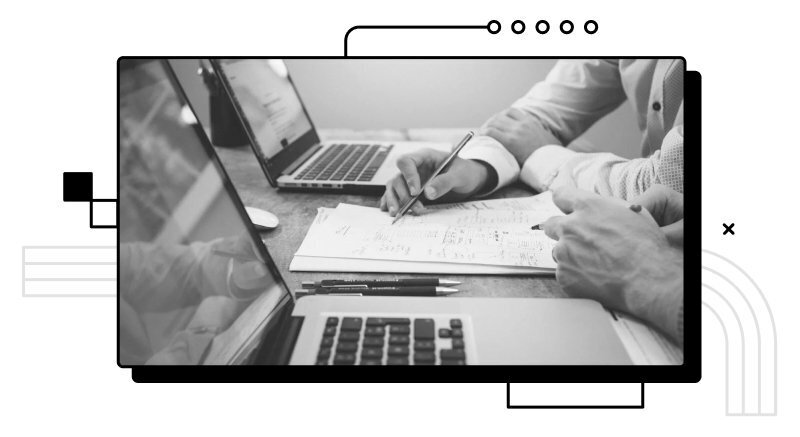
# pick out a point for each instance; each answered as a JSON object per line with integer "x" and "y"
{"x": 486, "y": 176}
{"x": 654, "y": 292}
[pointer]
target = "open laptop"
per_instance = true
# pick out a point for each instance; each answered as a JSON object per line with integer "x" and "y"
{"x": 198, "y": 286}
{"x": 287, "y": 145}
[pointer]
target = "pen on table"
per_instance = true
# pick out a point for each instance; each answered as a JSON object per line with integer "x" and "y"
{"x": 410, "y": 282}
{"x": 443, "y": 166}
{"x": 380, "y": 291}
{"x": 635, "y": 208}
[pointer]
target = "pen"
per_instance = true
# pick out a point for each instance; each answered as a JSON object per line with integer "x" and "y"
{"x": 381, "y": 291}
{"x": 410, "y": 282}
{"x": 435, "y": 173}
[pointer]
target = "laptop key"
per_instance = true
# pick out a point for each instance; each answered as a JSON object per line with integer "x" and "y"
{"x": 349, "y": 336}
{"x": 326, "y": 342}
{"x": 352, "y": 323}
{"x": 457, "y": 333}
{"x": 332, "y": 321}
{"x": 452, "y": 354}
{"x": 371, "y": 362}
{"x": 424, "y": 345}
{"x": 424, "y": 358}
{"x": 324, "y": 353}
{"x": 397, "y": 361}
{"x": 454, "y": 362}
{"x": 346, "y": 346}
{"x": 383, "y": 321}
{"x": 322, "y": 362}
{"x": 444, "y": 333}
{"x": 375, "y": 331}
{"x": 398, "y": 340}
{"x": 458, "y": 343}
{"x": 371, "y": 353}
{"x": 455, "y": 323}
{"x": 398, "y": 350}
{"x": 424, "y": 329}
{"x": 344, "y": 358}
{"x": 372, "y": 341}
{"x": 399, "y": 330}
{"x": 330, "y": 331}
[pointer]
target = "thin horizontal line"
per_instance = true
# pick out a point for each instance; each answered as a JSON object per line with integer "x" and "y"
{"x": 70, "y": 263}
{"x": 68, "y": 295}
{"x": 69, "y": 247}
{"x": 70, "y": 279}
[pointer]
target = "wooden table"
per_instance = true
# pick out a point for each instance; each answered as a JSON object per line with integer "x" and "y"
{"x": 296, "y": 211}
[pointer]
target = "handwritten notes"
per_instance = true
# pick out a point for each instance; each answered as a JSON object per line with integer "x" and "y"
{"x": 492, "y": 232}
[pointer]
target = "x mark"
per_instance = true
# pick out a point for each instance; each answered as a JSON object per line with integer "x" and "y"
{"x": 728, "y": 229}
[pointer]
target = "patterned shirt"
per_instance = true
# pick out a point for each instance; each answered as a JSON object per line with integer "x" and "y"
{"x": 577, "y": 93}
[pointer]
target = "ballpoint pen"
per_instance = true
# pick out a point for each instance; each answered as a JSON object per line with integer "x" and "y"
{"x": 409, "y": 282}
{"x": 442, "y": 167}
{"x": 379, "y": 291}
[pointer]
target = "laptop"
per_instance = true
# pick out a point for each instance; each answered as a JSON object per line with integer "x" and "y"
{"x": 198, "y": 286}
{"x": 283, "y": 137}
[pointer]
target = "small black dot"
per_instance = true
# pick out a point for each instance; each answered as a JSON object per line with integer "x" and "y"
{"x": 656, "y": 106}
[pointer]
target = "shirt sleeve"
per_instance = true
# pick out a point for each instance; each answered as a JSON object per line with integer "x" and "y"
{"x": 575, "y": 94}
{"x": 490, "y": 151}
{"x": 605, "y": 173}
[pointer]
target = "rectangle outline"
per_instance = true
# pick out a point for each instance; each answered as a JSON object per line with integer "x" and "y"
{"x": 574, "y": 407}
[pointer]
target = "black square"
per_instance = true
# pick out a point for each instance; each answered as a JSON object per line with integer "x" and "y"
{"x": 78, "y": 187}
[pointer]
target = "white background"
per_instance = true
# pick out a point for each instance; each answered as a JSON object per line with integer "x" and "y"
{"x": 58, "y": 101}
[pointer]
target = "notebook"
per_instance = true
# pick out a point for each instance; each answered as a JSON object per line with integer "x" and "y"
{"x": 479, "y": 237}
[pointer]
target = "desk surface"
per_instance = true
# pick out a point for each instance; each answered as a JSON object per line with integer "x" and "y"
{"x": 297, "y": 210}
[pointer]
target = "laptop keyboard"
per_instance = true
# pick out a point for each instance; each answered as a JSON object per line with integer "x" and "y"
{"x": 346, "y": 162}
{"x": 392, "y": 341}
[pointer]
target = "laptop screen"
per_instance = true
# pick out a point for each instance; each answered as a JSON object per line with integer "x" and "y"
{"x": 269, "y": 102}
{"x": 195, "y": 286}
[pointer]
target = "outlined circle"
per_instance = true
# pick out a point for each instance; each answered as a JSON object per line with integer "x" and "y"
{"x": 493, "y": 23}
{"x": 546, "y": 27}
{"x": 514, "y": 27}
{"x": 594, "y": 27}
{"x": 566, "y": 22}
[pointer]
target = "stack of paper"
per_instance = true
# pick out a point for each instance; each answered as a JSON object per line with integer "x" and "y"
{"x": 481, "y": 237}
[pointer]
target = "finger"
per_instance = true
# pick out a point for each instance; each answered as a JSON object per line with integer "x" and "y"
{"x": 569, "y": 198}
{"x": 554, "y": 227}
{"x": 497, "y": 134}
{"x": 383, "y": 203}
{"x": 391, "y": 200}
{"x": 441, "y": 185}
{"x": 674, "y": 233}
{"x": 664, "y": 204}
{"x": 401, "y": 191}
{"x": 516, "y": 114}
{"x": 408, "y": 168}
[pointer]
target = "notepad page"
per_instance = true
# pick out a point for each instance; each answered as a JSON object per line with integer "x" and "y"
{"x": 455, "y": 235}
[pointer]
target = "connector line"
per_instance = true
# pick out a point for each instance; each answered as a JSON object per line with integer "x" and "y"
{"x": 417, "y": 27}
{"x": 576, "y": 407}
{"x": 91, "y": 214}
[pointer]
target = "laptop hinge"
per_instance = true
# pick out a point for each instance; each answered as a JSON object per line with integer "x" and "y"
{"x": 302, "y": 159}
{"x": 277, "y": 346}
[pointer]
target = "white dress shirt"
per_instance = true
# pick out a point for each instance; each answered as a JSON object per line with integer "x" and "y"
{"x": 577, "y": 93}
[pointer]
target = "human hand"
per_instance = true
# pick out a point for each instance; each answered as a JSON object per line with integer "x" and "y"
{"x": 235, "y": 268}
{"x": 666, "y": 207}
{"x": 462, "y": 179}
{"x": 519, "y": 132}
{"x": 616, "y": 256}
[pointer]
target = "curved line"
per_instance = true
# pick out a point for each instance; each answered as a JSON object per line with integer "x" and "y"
{"x": 763, "y": 298}
{"x": 772, "y": 322}
{"x": 393, "y": 26}
{"x": 755, "y": 322}
{"x": 741, "y": 335}
{"x": 727, "y": 371}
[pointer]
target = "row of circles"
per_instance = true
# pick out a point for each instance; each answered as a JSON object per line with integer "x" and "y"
{"x": 542, "y": 27}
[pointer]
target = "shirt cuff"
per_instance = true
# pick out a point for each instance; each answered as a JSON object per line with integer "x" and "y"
{"x": 542, "y": 167}
{"x": 490, "y": 151}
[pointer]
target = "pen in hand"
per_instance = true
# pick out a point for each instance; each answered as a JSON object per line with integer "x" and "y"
{"x": 442, "y": 167}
